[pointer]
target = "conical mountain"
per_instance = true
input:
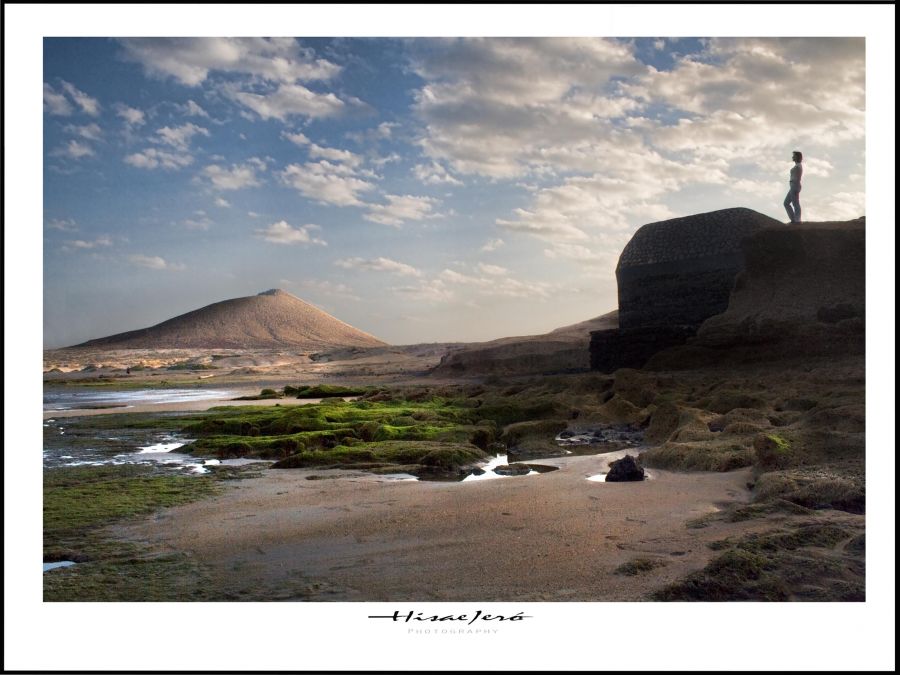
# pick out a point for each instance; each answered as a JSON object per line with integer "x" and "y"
{"x": 272, "y": 319}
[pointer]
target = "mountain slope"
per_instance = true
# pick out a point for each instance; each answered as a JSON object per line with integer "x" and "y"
{"x": 271, "y": 319}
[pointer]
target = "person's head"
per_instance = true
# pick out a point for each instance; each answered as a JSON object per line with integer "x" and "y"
{"x": 797, "y": 156}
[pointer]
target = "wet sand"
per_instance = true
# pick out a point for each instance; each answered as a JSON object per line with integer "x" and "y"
{"x": 356, "y": 537}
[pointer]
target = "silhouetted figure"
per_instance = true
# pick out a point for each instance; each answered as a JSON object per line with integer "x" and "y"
{"x": 792, "y": 200}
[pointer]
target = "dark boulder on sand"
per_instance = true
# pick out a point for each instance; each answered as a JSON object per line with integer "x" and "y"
{"x": 626, "y": 469}
{"x": 515, "y": 469}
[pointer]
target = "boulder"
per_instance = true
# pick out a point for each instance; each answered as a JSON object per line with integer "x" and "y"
{"x": 512, "y": 470}
{"x": 626, "y": 469}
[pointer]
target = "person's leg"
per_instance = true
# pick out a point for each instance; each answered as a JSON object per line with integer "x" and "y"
{"x": 788, "y": 205}
{"x": 796, "y": 205}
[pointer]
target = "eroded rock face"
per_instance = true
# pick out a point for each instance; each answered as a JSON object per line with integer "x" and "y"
{"x": 680, "y": 272}
{"x": 626, "y": 469}
{"x": 672, "y": 276}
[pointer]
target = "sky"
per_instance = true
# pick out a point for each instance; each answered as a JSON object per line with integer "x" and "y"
{"x": 422, "y": 190}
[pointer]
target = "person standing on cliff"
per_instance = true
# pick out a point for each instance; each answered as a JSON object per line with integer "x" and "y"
{"x": 792, "y": 200}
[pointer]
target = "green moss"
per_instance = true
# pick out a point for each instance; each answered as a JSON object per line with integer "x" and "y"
{"x": 715, "y": 456}
{"x": 81, "y": 497}
{"x": 428, "y": 455}
{"x": 778, "y": 565}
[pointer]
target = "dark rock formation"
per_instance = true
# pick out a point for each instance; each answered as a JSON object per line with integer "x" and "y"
{"x": 672, "y": 276}
{"x": 512, "y": 470}
{"x": 625, "y": 469}
{"x": 802, "y": 294}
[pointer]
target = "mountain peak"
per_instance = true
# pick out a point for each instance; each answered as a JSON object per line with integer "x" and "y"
{"x": 273, "y": 319}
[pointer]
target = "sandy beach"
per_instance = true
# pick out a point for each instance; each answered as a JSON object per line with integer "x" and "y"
{"x": 350, "y": 536}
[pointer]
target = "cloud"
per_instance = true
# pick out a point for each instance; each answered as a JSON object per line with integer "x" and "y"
{"x": 56, "y": 103}
{"x": 492, "y": 285}
{"x": 201, "y": 222}
{"x": 379, "y": 265}
{"x": 132, "y": 116}
{"x": 586, "y": 205}
{"x": 296, "y": 138}
{"x": 192, "y": 109}
{"x": 493, "y": 270}
{"x": 63, "y": 225}
{"x": 154, "y": 262}
{"x": 326, "y": 182}
{"x": 495, "y": 107}
{"x": 74, "y": 149}
{"x": 335, "y": 155}
{"x": 434, "y": 174}
{"x": 282, "y": 233}
{"x": 81, "y": 244}
{"x": 237, "y": 177}
{"x": 400, "y": 208}
{"x": 221, "y": 202}
{"x": 328, "y": 288}
{"x": 152, "y": 158}
{"x": 90, "y": 132}
{"x": 180, "y": 137}
{"x": 191, "y": 60}
{"x": 288, "y": 100}
{"x": 492, "y": 245}
{"x": 814, "y": 93}
{"x": 60, "y": 103}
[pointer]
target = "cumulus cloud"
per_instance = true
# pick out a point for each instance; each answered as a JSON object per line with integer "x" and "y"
{"x": 222, "y": 203}
{"x": 132, "y": 116}
{"x": 88, "y": 105}
{"x": 326, "y": 182}
{"x": 334, "y": 155}
{"x": 74, "y": 149}
{"x": 191, "y": 60}
{"x": 200, "y": 221}
{"x": 90, "y": 132}
{"x": 192, "y": 109}
{"x": 81, "y": 244}
{"x": 154, "y": 262}
{"x": 56, "y": 103}
{"x": 329, "y": 288}
{"x": 236, "y": 177}
{"x": 60, "y": 102}
{"x": 379, "y": 265}
{"x": 492, "y": 245}
{"x": 493, "y": 270}
{"x": 586, "y": 205}
{"x": 288, "y": 100}
{"x": 180, "y": 137}
{"x": 491, "y": 285}
{"x": 495, "y": 106}
{"x": 153, "y": 158}
{"x": 283, "y": 233}
{"x": 296, "y": 138}
{"x": 400, "y": 208}
{"x": 434, "y": 174}
{"x": 62, "y": 224}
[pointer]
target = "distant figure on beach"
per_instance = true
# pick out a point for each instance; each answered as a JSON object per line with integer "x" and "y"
{"x": 792, "y": 200}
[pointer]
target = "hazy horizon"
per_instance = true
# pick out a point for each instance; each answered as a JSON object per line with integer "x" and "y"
{"x": 421, "y": 190}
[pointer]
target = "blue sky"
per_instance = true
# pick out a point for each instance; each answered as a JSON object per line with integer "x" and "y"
{"x": 422, "y": 190}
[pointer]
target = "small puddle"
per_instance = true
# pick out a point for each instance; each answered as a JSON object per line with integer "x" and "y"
{"x": 61, "y": 563}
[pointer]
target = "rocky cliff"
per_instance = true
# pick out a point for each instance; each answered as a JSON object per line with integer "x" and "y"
{"x": 802, "y": 293}
{"x": 672, "y": 276}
